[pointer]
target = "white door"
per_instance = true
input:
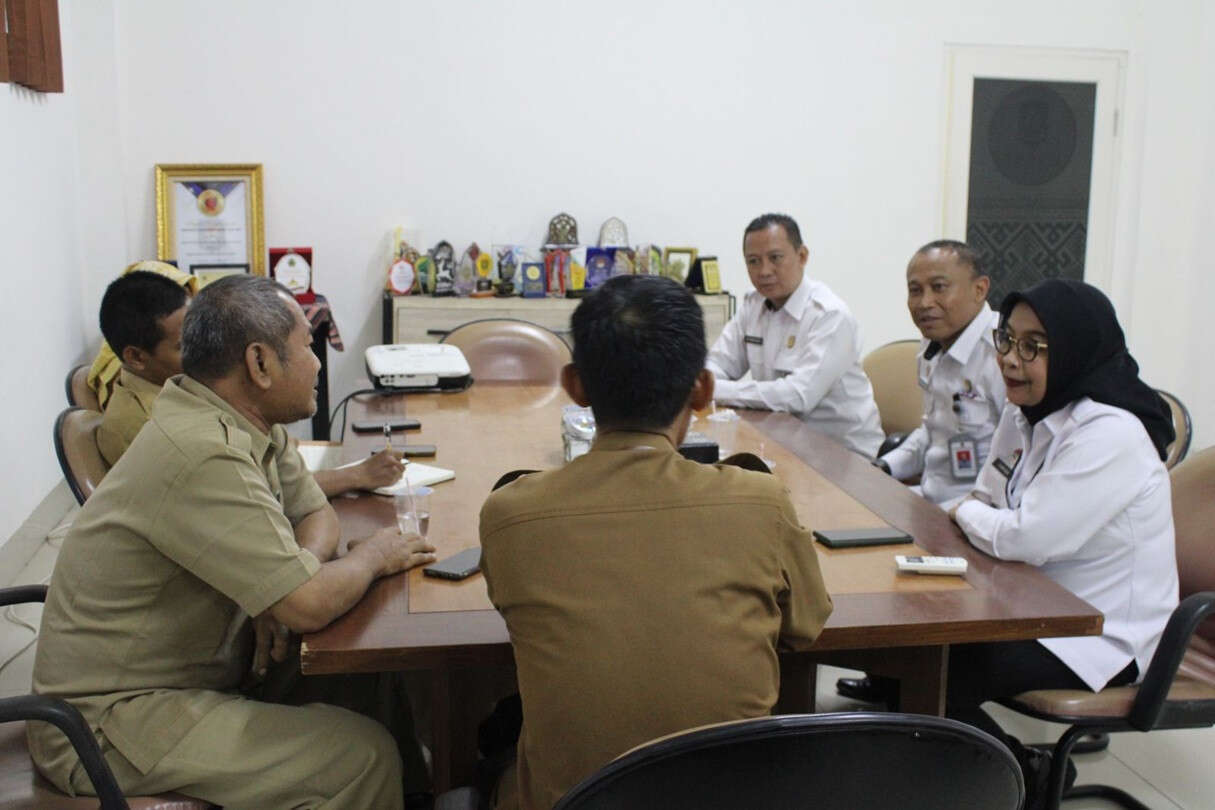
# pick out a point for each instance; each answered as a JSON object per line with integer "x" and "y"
{"x": 1032, "y": 146}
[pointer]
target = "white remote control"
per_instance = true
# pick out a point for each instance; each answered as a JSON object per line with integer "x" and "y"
{"x": 931, "y": 565}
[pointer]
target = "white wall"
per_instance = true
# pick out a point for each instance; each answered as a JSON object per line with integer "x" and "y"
{"x": 470, "y": 120}
{"x": 60, "y": 211}
{"x": 480, "y": 120}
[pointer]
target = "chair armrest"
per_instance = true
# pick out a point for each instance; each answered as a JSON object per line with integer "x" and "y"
{"x": 891, "y": 441}
{"x": 20, "y": 594}
{"x": 1154, "y": 691}
{"x": 68, "y": 719}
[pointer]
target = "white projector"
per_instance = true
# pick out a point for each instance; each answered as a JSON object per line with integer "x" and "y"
{"x": 416, "y": 366}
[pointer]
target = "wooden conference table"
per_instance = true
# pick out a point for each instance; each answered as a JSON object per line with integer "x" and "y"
{"x": 885, "y": 622}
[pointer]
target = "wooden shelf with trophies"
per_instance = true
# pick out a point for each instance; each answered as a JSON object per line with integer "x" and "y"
{"x": 428, "y": 295}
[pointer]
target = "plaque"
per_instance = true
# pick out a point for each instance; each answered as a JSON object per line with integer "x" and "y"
{"x": 562, "y": 232}
{"x": 613, "y": 234}
{"x": 556, "y": 268}
{"x": 704, "y": 276}
{"x": 599, "y": 263}
{"x": 444, "y": 257}
{"x": 292, "y": 267}
{"x": 509, "y": 257}
{"x": 533, "y": 280}
{"x": 484, "y": 264}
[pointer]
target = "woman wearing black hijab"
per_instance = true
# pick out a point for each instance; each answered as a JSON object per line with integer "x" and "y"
{"x": 1074, "y": 484}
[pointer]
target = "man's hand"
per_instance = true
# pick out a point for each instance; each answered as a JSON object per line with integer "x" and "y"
{"x": 271, "y": 643}
{"x": 953, "y": 513}
{"x": 380, "y": 470}
{"x": 400, "y": 552}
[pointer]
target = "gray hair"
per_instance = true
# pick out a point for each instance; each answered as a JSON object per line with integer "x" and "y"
{"x": 228, "y": 315}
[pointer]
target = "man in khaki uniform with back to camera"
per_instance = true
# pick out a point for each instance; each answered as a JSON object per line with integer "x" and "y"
{"x": 645, "y": 593}
{"x": 209, "y": 518}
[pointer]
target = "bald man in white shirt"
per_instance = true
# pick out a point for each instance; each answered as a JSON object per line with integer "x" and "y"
{"x": 798, "y": 340}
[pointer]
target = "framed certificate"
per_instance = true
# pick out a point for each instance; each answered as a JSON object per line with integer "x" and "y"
{"x": 209, "y": 215}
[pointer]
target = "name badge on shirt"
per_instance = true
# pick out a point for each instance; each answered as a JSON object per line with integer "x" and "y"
{"x": 963, "y": 457}
{"x": 1006, "y": 466}
{"x": 753, "y": 340}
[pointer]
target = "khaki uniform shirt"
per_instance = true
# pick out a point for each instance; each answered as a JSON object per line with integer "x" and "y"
{"x": 128, "y": 407}
{"x": 146, "y": 624}
{"x": 645, "y": 594}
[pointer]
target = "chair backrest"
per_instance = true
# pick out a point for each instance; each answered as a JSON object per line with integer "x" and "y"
{"x": 896, "y": 387}
{"x": 1193, "y": 483}
{"x": 506, "y": 349}
{"x": 853, "y": 760}
{"x": 75, "y": 438}
{"x": 79, "y": 395}
{"x": 1181, "y": 425}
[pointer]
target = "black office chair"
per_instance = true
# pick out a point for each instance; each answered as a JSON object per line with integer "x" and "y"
{"x": 849, "y": 761}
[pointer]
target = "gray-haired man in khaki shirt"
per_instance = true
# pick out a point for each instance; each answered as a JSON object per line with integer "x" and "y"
{"x": 644, "y": 593}
{"x": 208, "y": 519}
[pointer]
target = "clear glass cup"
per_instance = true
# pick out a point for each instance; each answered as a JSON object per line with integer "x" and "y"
{"x": 413, "y": 510}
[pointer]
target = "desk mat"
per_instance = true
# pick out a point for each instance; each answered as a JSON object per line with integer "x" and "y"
{"x": 819, "y": 502}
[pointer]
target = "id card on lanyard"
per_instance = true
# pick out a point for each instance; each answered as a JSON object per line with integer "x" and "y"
{"x": 963, "y": 457}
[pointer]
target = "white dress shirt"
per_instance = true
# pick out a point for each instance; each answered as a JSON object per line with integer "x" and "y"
{"x": 963, "y": 394}
{"x": 804, "y": 358}
{"x": 1088, "y": 502}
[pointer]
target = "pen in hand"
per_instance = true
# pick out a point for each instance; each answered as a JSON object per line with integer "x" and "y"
{"x": 387, "y": 437}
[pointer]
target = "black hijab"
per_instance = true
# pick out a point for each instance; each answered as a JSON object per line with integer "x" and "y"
{"x": 1088, "y": 357}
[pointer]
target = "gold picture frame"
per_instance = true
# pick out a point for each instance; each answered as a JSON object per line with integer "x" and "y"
{"x": 210, "y": 214}
{"x": 677, "y": 261}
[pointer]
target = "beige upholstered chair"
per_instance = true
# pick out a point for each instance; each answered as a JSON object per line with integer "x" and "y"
{"x": 75, "y": 438}
{"x": 1178, "y": 690}
{"x": 896, "y": 388}
{"x": 505, "y": 349}
{"x": 22, "y": 787}
{"x": 1183, "y": 427}
{"x": 79, "y": 394}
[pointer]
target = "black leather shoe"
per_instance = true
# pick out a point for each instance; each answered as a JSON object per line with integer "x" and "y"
{"x": 870, "y": 690}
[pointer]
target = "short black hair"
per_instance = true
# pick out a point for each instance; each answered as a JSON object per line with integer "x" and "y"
{"x": 965, "y": 253}
{"x": 639, "y": 344}
{"x": 134, "y": 306}
{"x": 229, "y": 314}
{"x": 765, "y": 221}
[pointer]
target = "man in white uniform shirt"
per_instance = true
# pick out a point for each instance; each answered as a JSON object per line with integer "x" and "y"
{"x": 963, "y": 391}
{"x": 798, "y": 340}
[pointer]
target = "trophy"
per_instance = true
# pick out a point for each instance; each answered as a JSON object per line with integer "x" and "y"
{"x": 562, "y": 232}
{"x": 484, "y": 265}
{"x": 556, "y": 268}
{"x": 648, "y": 261}
{"x": 466, "y": 271}
{"x": 622, "y": 262}
{"x": 508, "y": 263}
{"x": 613, "y": 234}
{"x": 403, "y": 277}
{"x": 443, "y": 277}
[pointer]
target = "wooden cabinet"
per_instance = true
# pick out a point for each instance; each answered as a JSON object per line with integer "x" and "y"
{"x": 424, "y": 319}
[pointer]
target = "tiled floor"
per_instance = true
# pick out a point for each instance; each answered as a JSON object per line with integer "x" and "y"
{"x": 1167, "y": 770}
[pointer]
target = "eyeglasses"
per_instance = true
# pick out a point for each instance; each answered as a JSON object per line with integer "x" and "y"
{"x": 1027, "y": 349}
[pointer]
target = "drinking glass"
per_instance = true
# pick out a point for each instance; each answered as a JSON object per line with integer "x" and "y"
{"x": 413, "y": 510}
